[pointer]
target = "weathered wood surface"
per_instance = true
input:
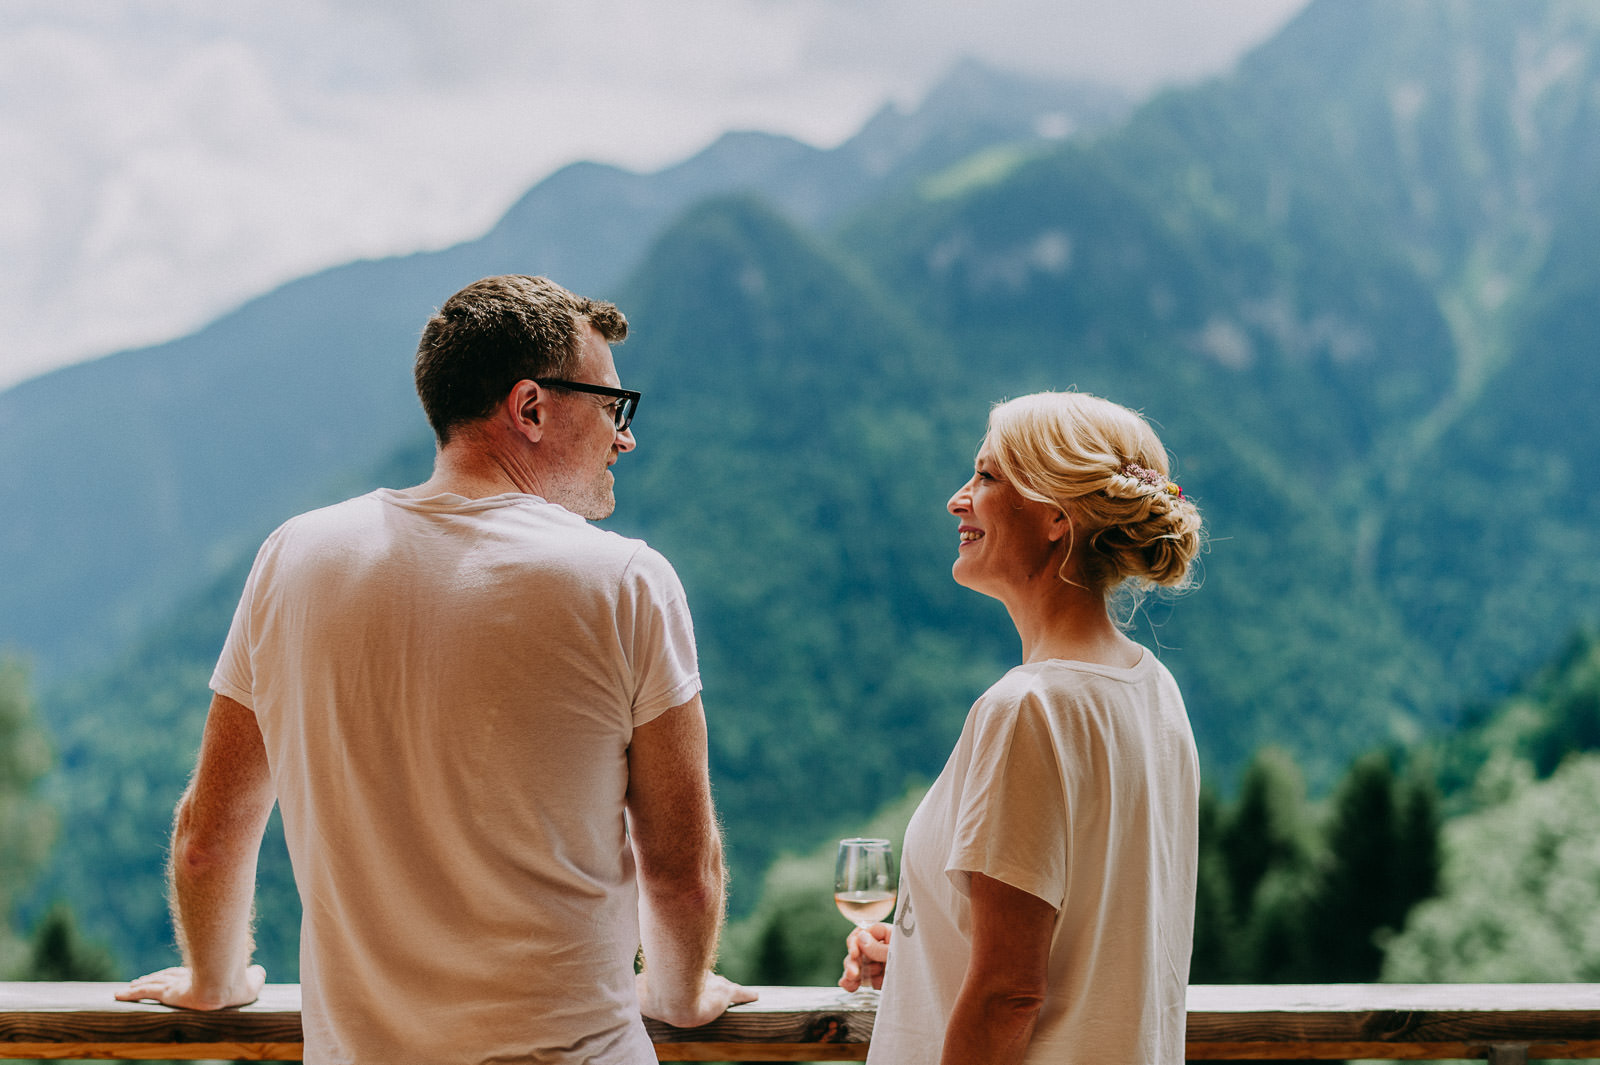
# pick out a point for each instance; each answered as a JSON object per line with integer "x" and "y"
{"x": 1396, "y": 1022}
{"x": 84, "y": 1021}
{"x": 784, "y": 1024}
{"x": 1278, "y": 1022}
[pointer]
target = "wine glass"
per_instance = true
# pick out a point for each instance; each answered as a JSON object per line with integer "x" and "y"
{"x": 864, "y": 891}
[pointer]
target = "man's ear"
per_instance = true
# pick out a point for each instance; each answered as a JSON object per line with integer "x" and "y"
{"x": 527, "y": 409}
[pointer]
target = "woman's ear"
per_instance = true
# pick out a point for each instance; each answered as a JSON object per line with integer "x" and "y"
{"x": 1060, "y": 526}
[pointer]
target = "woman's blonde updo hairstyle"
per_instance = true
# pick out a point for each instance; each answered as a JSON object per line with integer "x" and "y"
{"x": 1103, "y": 466}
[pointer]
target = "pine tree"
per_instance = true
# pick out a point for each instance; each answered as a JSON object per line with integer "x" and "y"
{"x": 1382, "y": 858}
{"x": 1254, "y": 868}
{"x": 1215, "y": 923}
{"x": 1571, "y": 694}
{"x": 1267, "y": 829}
{"x": 27, "y": 824}
{"x": 1421, "y": 846}
{"x": 59, "y": 952}
{"x": 772, "y": 962}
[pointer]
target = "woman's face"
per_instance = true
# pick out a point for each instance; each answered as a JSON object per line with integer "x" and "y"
{"x": 1006, "y": 540}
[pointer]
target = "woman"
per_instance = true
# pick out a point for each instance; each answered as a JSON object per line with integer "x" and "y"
{"x": 1047, "y": 888}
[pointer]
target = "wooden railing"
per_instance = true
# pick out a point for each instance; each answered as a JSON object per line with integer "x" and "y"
{"x": 1500, "y": 1023}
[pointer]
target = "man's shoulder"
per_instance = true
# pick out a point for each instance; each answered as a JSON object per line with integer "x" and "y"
{"x": 355, "y": 510}
{"x": 550, "y": 531}
{"x": 331, "y": 512}
{"x": 581, "y": 537}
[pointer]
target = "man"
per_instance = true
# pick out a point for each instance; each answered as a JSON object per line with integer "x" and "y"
{"x": 480, "y": 717}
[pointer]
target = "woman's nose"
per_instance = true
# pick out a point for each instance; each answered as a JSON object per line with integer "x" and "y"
{"x": 958, "y": 502}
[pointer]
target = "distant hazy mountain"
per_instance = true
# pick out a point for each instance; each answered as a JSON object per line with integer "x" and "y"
{"x": 1354, "y": 283}
{"x": 141, "y": 474}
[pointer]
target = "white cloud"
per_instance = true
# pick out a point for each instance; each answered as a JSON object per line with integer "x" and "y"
{"x": 161, "y": 160}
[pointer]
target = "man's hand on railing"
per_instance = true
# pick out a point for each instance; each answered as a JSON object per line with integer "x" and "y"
{"x": 874, "y": 941}
{"x": 717, "y": 993}
{"x": 176, "y": 987}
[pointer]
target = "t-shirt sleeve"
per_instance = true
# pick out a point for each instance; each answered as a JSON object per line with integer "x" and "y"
{"x": 234, "y": 676}
{"x": 659, "y": 635}
{"x": 1013, "y": 815}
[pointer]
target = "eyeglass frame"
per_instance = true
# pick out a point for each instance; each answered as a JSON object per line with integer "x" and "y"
{"x": 627, "y": 399}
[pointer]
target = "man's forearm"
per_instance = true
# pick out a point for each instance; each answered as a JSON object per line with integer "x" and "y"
{"x": 216, "y": 838}
{"x": 211, "y": 894}
{"x": 678, "y": 849}
{"x": 680, "y": 920}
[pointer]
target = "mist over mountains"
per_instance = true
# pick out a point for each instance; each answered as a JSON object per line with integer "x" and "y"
{"x": 1354, "y": 284}
{"x": 196, "y": 447}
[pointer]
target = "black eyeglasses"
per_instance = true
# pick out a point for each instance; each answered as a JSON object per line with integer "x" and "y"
{"x": 627, "y": 399}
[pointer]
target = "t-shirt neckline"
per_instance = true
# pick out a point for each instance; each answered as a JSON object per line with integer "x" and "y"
{"x": 450, "y": 501}
{"x": 1099, "y": 668}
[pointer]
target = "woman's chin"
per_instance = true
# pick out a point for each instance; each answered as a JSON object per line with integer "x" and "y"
{"x": 962, "y": 574}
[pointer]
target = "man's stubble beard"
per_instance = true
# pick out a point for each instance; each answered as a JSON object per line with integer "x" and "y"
{"x": 598, "y": 501}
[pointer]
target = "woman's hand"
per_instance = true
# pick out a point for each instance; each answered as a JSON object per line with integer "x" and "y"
{"x": 868, "y": 948}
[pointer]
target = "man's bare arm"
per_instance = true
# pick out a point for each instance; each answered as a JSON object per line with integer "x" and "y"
{"x": 216, "y": 841}
{"x": 679, "y": 851}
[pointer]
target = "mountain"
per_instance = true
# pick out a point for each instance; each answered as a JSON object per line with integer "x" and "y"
{"x": 146, "y": 472}
{"x": 1352, "y": 279}
{"x": 1351, "y": 283}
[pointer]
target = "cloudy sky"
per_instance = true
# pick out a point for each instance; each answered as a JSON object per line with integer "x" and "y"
{"x": 163, "y": 160}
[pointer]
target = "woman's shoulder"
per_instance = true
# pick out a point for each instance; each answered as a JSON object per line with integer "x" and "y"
{"x": 1057, "y": 686}
{"x": 1026, "y": 689}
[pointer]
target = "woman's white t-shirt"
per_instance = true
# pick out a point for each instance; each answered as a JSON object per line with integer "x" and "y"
{"x": 1077, "y": 783}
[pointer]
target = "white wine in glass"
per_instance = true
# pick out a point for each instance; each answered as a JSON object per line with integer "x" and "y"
{"x": 864, "y": 890}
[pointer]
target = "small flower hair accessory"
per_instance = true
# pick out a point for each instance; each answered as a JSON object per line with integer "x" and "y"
{"x": 1151, "y": 479}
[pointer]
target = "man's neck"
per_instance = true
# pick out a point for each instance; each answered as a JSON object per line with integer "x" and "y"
{"x": 466, "y": 468}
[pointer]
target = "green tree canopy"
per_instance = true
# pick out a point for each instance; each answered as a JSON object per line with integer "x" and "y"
{"x": 1295, "y": 892}
{"x": 1520, "y": 898}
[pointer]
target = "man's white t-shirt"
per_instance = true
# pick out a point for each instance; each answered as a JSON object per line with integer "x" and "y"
{"x": 1079, "y": 784}
{"x": 447, "y": 689}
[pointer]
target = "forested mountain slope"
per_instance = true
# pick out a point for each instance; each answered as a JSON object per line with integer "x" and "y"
{"x": 1356, "y": 279}
{"x": 1351, "y": 283}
